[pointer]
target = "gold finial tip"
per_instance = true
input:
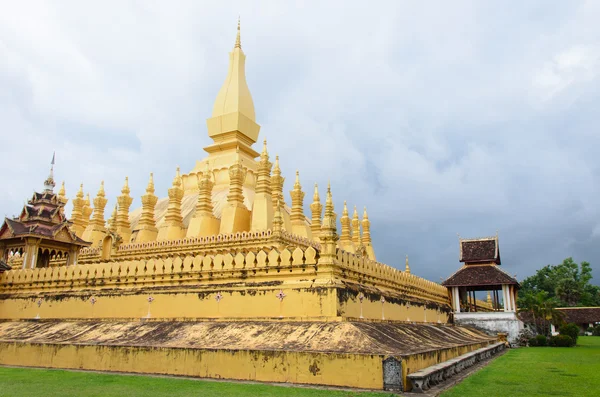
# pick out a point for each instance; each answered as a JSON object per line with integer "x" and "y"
{"x": 265, "y": 141}
{"x": 297, "y": 173}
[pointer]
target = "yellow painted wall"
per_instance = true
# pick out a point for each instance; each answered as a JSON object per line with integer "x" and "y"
{"x": 300, "y": 301}
{"x": 351, "y": 370}
{"x": 392, "y": 309}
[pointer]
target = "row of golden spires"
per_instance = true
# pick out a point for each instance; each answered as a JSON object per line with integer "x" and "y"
{"x": 270, "y": 183}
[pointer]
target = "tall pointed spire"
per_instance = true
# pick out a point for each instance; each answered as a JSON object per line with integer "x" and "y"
{"x": 233, "y": 121}
{"x": 96, "y": 229}
{"x": 366, "y": 237}
{"x": 297, "y": 219}
{"x": 235, "y": 216}
{"x": 406, "y": 267}
{"x": 62, "y": 194}
{"x": 77, "y": 217}
{"x": 356, "y": 239}
{"x": 263, "y": 208}
{"x": 49, "y": 182}
{"x": 172, "y": 227}
{"x": 122, "y": 225}
{"x": 238, "y": 41}
{"x": 147, "y": 224}
{"x": 316, "y": 208}
{"x": 328, "y": 235}
{"x": 346, "y": 237}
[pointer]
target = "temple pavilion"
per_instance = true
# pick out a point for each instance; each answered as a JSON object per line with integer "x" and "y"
{"x": 481, "y": 271}
{"x": 41, "y": 232}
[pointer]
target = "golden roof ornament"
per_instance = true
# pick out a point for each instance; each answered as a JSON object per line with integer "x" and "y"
{"x": 150, "y": 187}
{"x": 238, "y": 41}
{"x": 126, "y": 189}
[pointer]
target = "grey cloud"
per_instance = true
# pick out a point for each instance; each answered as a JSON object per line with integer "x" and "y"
{"x": 440, "y": 118}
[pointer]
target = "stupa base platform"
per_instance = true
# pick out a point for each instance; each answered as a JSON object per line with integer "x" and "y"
{"x": 354, "y": 353}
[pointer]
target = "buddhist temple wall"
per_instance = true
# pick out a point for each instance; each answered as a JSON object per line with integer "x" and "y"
{"x": 336, "y": 369}
{"x": 267, "y": 283}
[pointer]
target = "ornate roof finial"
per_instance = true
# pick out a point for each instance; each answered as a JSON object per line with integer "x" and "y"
{"x": 126, "y": 189}
{"x": 407, "y": 268}
{"x": 150, "y": 187}
{"x": 49, "y": 182}
{"x": 264, "y": 153}
{"x": 101, "y": 190}
{"x": 177, "y": 178}
{"x": 238, "y": 42}
{"x": 80, "y": 191}
{"x": 62, "y": 192}
{"x": 316, "y": 197}
{"x": 297, "y": 181}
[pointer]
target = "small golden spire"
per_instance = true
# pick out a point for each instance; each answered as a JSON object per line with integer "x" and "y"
{"x": 62, "y": 192}
{"x": 126, "y": 189}
{"x": 356, "y": 237}
{"x": 407, "y": 268}
{"x": 238, "y": 42}
{"x": 177, "y": 178}
{"x": 112, "y": 222}
{"x": 264, "y": 151}
{"x": 345, "y": 210}
{"x": 101, "y": 192}
{"x": 87, "y": 199}
{"x": 80, "y": 191}
{"x": 365, "y": 216}
{"x": 297, "y": 182}
{"x": 150, "y": 187}
{"x": 316, "y": 197}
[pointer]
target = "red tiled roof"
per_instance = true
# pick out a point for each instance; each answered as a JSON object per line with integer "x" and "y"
{"x": 479, "y": 275}
{"x": 581, "y": 315}
{"x": 480, "y": 250}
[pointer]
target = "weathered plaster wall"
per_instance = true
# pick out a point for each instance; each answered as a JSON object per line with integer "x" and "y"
{"x": 225, "y": 301}
{"x": 416, "y": 362}
{"x": 354, "y": 303}
{"x": 335, "y": 369}
{"x": 492, "y": 322}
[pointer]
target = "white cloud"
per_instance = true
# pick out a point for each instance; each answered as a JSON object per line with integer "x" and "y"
{"x": 465, "y": 117}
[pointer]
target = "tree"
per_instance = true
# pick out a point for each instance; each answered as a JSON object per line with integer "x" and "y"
{"x": 568, "y": 283}
{"x": 542, "y": 310}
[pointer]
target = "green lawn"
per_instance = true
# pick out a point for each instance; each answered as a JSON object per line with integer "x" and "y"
{"x": 538, "y": 371}
{"x": 25, "y": 382}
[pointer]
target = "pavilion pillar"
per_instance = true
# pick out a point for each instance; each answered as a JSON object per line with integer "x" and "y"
{"x": 511, "y": 298}
{"x": 456, "y": 299}
{"x": 505, "y": 297}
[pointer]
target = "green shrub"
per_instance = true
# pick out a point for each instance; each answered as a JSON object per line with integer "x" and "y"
{"x": 541, "y": 340}
{"x": 561, "y": 341}
{"x": 532, "y": 342}
{"x": 596, "y": 330}
{"x": 571, "y": 330}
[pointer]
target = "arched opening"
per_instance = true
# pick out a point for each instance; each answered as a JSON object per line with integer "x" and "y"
{"x": 106, "y": 247}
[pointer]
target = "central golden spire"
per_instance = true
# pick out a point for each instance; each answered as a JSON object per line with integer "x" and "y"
{"x": 233, "y": 121}
{"x": 234, "y": 95}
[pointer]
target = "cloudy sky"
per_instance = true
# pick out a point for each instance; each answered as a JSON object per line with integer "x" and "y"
{"x": 441, "y": 117}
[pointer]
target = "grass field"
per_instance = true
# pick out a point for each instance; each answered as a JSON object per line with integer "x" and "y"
{"x": 538, "y": 371}
{"x": 26, "y": 382}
